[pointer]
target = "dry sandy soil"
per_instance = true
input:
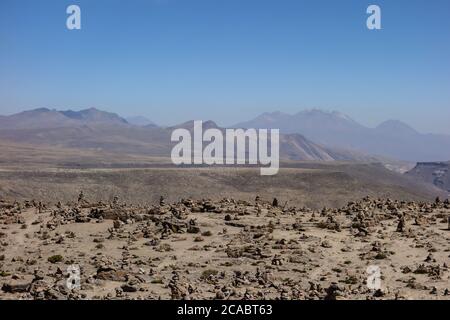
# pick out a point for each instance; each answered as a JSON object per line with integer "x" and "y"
{"x": 224, "y": 249}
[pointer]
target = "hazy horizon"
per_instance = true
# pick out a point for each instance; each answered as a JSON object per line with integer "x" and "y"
{"x": 218, "y": 122}
{"x": 229, "y": 61}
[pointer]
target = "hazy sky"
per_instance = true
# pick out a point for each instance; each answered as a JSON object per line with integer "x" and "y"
{"x": 229, "y": 60}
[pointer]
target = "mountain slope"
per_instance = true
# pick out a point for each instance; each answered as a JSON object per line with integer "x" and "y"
{"x": 296, "y": 147}
{"x": 97, "y": 130}
{"x": 37, "y": 118}
{"x": 307, "y": 121}
{"x": 46, "y": 118}
{"x": 140, "y": 121}
{"x": 94, "y": 115}
{"x": 392, "y": 138}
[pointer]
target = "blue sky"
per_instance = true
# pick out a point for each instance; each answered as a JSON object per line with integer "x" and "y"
{"x": 229, "y": 60}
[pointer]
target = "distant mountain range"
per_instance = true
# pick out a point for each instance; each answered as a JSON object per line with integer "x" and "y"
{"x": 393, "y": 138}
{"x": 94, "y": 129}
{"x": 46, "y": 118}
{"x": 297, "y": 147}
{"x": 307, "y": 135}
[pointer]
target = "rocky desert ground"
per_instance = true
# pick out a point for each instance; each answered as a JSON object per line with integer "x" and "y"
{"x": 223, "y": 249}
